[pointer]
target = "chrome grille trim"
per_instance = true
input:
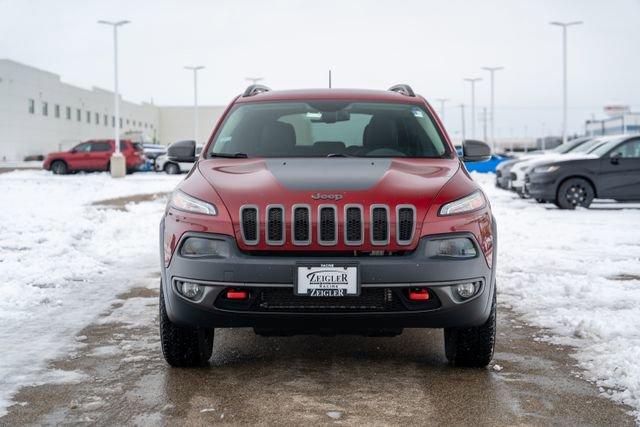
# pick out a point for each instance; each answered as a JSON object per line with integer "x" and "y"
{"x": 267, "y": 226}
{"x": 333, "y": 241}
{"x": 385, "y": 241}
{"x": 413, "y": 224}
{"x": 293, "y": 225}
{"x": 257, "y": 227}
{"x": 345, "y": 225}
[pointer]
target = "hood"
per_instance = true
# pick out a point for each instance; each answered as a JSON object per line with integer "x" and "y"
{"x": 336, "y": 181}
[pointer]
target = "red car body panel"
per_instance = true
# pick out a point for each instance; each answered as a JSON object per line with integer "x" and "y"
{"x": 427, "y": 184}
{"x": 96, "y": 160}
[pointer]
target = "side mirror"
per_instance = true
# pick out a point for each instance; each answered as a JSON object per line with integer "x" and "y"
{"x": 475, "y": 151}
{"x": 182, "y": 151}
{"x": 615, "y": 158}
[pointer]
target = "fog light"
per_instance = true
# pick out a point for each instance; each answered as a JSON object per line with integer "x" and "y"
{"x": 466, "y": 290}
{"x": 191, "y": 290}
{"x": 195, "y": 247}
{"x": 458, "y": 247}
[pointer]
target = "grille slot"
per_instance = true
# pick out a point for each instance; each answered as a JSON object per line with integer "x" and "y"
{"x": 301, "y": 225}
{"x": 275, "y": 225}
{"x": 379, "y": 225}
{"x": 370, "y": 299}
{"x": 353, "y": 225}
{"x": 327, "y": 225}
{"x": 405, "y": 224}
{"x": 249, "y": 224}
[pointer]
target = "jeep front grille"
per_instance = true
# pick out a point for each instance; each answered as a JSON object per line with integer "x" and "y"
{"x": 330, "y": 225}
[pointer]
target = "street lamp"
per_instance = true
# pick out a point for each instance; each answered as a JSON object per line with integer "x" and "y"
{"x": 195, "y": 99}
{"x": 473, "y": 82}
{"x": 442, "y": 101}
{"x": 254, "y": 80}
{"x": 491, "y": 71}
{"x": 564, "y": 26}
{"x": 117, "y": 162}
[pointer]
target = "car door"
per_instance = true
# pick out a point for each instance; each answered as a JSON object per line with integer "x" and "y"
{"x": 79, "y": 157}
{"x": 100, "y": 155}
{"x": 619, "y": 176}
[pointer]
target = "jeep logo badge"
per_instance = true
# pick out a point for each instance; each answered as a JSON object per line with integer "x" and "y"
{"x": 320, "y": 196}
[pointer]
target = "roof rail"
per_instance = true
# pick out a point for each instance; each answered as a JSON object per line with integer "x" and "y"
{"x": 403, "y": 89}
{"x": 254, "y": 90}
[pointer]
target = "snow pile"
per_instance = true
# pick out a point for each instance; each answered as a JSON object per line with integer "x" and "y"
{"x": 576, "y": 273}
{"x": 63, "y": 260}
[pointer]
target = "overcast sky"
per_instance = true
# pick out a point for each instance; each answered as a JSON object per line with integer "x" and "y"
{"x": 431, "y": 45}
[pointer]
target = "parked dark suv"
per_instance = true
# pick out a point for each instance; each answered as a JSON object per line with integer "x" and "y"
{"x": 329, "y": 211}
{"x": 610, "y": 171}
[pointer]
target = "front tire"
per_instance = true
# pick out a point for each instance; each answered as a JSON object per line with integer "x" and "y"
{"x": 575, "y": 192}
{"x": 183, "y": 347}
{"x": 472, "y": 347}
{"x": 172, "y": 169}
{"x": 59, "y": 167}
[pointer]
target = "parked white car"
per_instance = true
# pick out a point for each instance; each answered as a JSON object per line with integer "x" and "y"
{"x": 174, "y": 165}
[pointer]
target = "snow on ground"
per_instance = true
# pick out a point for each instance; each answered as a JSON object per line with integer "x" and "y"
{"x": 63, "y": 260}
{"x": 576, "y": 273}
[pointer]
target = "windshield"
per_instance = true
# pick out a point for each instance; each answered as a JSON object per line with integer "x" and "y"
{"x": 570, "y": 146}
{"x": 606, "y": 146}
{"x": 329, "y": 128}
{"x": 587, "y": 147}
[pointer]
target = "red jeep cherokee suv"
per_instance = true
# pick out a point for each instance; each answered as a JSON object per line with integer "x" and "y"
{"x": 94, "y": 156}
{"x": 329, "y": 211}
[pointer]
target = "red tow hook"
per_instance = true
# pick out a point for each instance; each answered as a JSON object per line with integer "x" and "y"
{"x": 237, "y": 294}
{"x": 418, "y": 294}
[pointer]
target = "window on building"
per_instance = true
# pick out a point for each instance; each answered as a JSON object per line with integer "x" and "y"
{"x": 127, "y": 121}
{"x": 120, "y": 122}
{"x": 113, "y": 122}
{"x": 106, "y": 120}
{"x": 78, "y": 114}
{"x": 97, "y": 118}
{"x": 45, "y": 109}
{"x": 88, "y": 116}
{"x": 68, "y": 113}
{"x": 56, "y": 111}
{"x": 32, "y": 106}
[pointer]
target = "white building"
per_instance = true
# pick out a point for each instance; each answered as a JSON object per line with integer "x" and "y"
{"x": 39, "y": 113}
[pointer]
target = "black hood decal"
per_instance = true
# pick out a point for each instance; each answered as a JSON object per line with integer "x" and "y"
{"x": 335, "y": 173}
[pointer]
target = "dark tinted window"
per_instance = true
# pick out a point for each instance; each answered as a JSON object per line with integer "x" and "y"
{"x": 83, "y": 148}
{"x": 100, "y": 146}
{"x": 322, "y": 128}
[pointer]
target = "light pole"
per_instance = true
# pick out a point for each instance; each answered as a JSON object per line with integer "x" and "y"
{"x": 464, "y": 127}
{"x": 254, "y": 80}
{"x": 195, "y": 99}
{"x": 473, "y": 82}
{"x": 564, "y": 26}
{"x": 117, "y": 164}
{"x": 442, "y": 101}
{"x": 491, "y": 71}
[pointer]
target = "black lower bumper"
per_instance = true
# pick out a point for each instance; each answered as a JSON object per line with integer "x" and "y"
{"x": 390, "y": 276}
{"x": 542, "y": 186}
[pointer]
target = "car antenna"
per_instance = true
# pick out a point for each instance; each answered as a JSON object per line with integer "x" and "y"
{"x": 329, "y": 79}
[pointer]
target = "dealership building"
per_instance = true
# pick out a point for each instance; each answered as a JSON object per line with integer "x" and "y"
{"x": 39, "y": 113}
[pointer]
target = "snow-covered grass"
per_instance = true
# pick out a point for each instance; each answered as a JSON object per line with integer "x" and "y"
{"x": 63, "y": 260}
{"x": 576, "y": 273}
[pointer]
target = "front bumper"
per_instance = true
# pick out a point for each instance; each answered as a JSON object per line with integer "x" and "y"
{"x": 275, "y": 274}
{"x": 542, "y": 186}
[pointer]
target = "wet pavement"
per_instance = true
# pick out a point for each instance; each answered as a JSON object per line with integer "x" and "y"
{"x": 309, "y": 379}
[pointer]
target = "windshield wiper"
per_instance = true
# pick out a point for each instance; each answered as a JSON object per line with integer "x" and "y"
{"x": 229, "y": 155}
{"x": 337, "y": 155}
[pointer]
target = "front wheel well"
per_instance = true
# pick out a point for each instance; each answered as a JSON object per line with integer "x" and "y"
{"x": 589, "y": 180}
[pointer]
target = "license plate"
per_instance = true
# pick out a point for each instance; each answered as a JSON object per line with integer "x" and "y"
{"x": 327, "y": 280}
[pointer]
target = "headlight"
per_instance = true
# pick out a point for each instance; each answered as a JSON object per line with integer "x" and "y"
{"x": 184, "y": 202}
{"x": 472, "y": 202}
{"x": 195, "y": 247}
{"x": 456, "y": 247}
{"x": 546, "y": 169}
